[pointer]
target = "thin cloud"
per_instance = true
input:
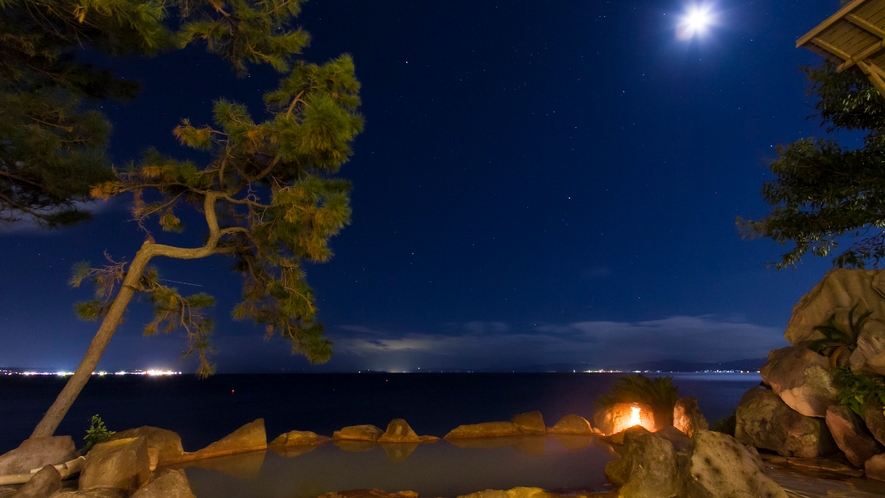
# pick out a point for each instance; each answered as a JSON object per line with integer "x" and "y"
{"x": 28, "y": 224}
{"x": 705, "y": 338}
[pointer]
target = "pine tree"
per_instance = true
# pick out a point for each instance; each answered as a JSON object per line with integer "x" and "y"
{"x": 267, "y": 192}
{"x": 53, "y": 139}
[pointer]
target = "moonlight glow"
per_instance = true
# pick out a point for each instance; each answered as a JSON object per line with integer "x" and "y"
{"x": 695, "y": 22}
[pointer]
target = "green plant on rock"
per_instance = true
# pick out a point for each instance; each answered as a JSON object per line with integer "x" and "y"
{"x": 659, "y": 393}
{"x": 727, "y": 425}
{"x": 96, "y": 433}
{"x": 837, "y": 340}
{"x": 858, "y": 390}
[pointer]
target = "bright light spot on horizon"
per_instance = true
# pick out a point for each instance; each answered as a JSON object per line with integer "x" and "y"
{"x": 99, "y": 373}
{"x": 695, "y": 22}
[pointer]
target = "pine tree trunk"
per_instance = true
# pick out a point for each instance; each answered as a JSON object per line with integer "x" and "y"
{"x": 75, "y": 384}
{"x": 53, "y": 417}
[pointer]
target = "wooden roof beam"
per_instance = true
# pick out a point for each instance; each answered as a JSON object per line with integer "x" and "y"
{"x": 831, "y": 49}
{"x": 829, "y": 22}
{"x": 862, "y": 23}
{"x": 876, "y": 69}
{"x": 875, "y": 75}
{"x": 861, "y": 56}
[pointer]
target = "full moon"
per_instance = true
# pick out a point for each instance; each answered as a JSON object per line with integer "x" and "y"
{"x": 694, "y": 22}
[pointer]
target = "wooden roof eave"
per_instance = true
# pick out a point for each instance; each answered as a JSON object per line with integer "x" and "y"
{"x": 844, "y": 11}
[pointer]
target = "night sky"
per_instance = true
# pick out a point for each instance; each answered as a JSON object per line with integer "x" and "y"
{"x": 538, "y": 182}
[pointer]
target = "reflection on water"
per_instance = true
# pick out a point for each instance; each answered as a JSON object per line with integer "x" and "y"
{"x": 440, "y": 469}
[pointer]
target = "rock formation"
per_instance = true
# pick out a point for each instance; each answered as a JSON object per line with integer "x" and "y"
{"x": 852, "y": 436}
{"x": 710, "y": 464}
{"x": 363, "y": 432}
{"x": 721, "y": 466}
{"x": 687, "y": 416}
{"x": 298, "y": 438}
{"x": 485, "y": 429}
{"x": 163, "y": 446}
{"x": 399, "y": 431}
{"x": 250, "y": 437}
{"x": 121, "y": 464}
{"x": 617, "y": 418}
{"x": 837, "y": 292}
{"x": 874, "y": 418}
{"x": 801, "y": 378}
{"x": 530, "y": 423}
{"x": 168, "y": 483}
{"x": 571, "y": 424}
{"x": 874, "y": 468}
{"x": 44, "y": 483}
{"x": 647, "y": 468}
{"x": 36, "y": 453}
{"x": 765, "y": 421}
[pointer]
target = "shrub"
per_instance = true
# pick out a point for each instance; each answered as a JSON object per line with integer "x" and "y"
{"x": 658, "y": 393}
{"x": 96, "y": 433}
{"x": 856, "y": 390}
{"x": 727, "y": 425}
{"x": 838, "y": 343}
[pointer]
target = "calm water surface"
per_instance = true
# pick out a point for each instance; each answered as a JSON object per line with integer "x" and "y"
{"x": 202, "y": 411}
{"x": 438, "y": 469}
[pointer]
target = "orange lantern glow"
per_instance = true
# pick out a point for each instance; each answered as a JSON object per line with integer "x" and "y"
{"x": 622, "y": 416}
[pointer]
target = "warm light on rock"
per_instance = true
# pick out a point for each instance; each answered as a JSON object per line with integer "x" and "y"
{"x": 634, "y": 416}
{"x": 622, "y": 416}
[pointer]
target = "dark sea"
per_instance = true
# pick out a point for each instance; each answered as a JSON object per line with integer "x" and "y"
{"x": 203, "y": 411}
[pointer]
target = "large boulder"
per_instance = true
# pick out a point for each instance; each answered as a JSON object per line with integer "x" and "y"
{"x": 530, "y": 423}
{"x": 763, "y": 420}
{"x": 720, "y": 466}
{"x": 572, "y": 424}
{"x": 365, "y": 432}
{"x": 647, "y": 468}
{"x": 521, "y": 492}
{"x": 93, "y": 493}
{"x": 874, "y": 418}
{"x": 687, "y": 416}
{"x": 485, "y": 429}
{"x": 369, "y": 493}
{"x": 851, "y": 435}
{"x": 869, "y": 354}
{"x": 168, "y": 483}
{"x": 680, "y": 441}
{"x": 399, "y": 431}
{"x": 838, "y": 291}
{"x": 874, "y": 468}
{"x": 120, "y": 464}
{"x": 163, "y": 446}
{"x": 802, "y": 378}
{"x": 297, "y": 438}
{"x": 250, "y": 437}
{"x": 44, "y": 483}
{"x": 36, "y": 453}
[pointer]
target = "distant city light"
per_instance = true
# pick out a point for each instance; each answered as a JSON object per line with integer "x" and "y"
{"x": 100, "y": 373}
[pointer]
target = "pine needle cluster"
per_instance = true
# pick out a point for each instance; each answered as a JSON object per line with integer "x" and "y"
{"x": 53, "y": 137}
